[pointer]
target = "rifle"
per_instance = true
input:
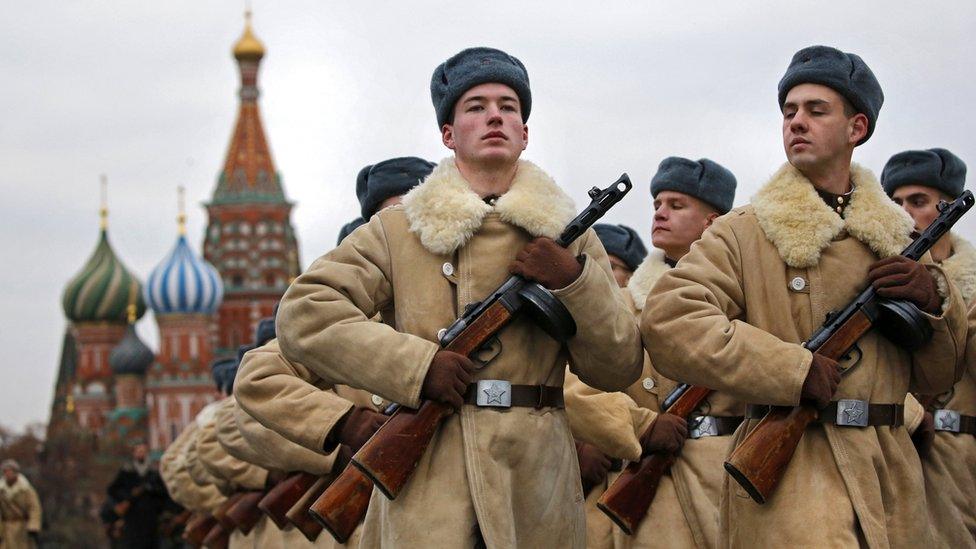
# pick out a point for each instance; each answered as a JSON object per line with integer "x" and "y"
{"x": 627, "y": 500}
{"x": 760, "y": 460}
{"x": 198, "y": 527}
{"x": 217, "y": 538}
{"x": 284, "y": 495}
{"x": 175, "y": 522}
{"x": 245, "y": 512}
{"x": 391, "y": 455}
{"x": 299, "y": 516}
{"x": 342, "y": 505}
{"x": 220, "y": 513}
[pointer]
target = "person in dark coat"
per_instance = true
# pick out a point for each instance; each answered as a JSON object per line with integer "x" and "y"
{"x": 140, "y": 497}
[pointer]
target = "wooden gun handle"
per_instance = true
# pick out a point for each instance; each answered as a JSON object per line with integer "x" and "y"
{"x": 245, "y": 512}
{"x": 627, "y": 500}
{"x": 342, "y": 505}
{"x": 280, "y": 499}
{"x": 221, "y": 512}
{"x": 197, "y": 528}
{"x": 759, "y": 461}
{"x": 299, "y": 516}
{"x": 217, "y": 538}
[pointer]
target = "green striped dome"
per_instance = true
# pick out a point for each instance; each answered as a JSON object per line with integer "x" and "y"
{"x": 101, "y": 291}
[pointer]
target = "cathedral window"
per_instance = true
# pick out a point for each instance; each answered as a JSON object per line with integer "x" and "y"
{"x": 245, "y": 229}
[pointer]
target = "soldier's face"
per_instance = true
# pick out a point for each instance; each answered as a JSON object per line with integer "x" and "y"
{"x": 621, "y": 272}
{"x": 679, "y": 220}
{"x": 9, "y": 475}
{"x": 140, "y": 452}
{"x": 487, "y": 129}
{"x": 816, "y": 130}
{"x": 920, "y": 202}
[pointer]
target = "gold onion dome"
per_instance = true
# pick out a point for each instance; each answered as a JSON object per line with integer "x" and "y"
{"x": 248, "y": 48}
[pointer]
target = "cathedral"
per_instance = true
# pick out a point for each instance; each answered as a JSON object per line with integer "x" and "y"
{"x": 109, "y": 383}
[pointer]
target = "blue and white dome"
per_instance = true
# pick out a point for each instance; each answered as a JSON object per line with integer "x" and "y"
{"x": 183, "y": 284}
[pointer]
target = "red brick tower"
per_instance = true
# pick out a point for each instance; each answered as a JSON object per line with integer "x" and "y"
{"x": 249, "y": 236}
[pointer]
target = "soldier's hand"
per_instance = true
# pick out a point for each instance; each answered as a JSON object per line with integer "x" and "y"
{"x": 821, "y": 382}
{"x": 594, "y": 465}
{"x": 898, "y": 277}
{"x": 924, "y": 435}
{"x": 548, "y": 263}
{"x": 667, "y": 434}
{"x": 448, "y": 378}
{"x": 358, "y": 425}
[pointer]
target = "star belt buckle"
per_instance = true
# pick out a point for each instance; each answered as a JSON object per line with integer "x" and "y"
{"x": 947, "y": 420}
{"x": 494, "y": 393}
{"x": 852, "y": 412}
{"x": 704, "y": 426}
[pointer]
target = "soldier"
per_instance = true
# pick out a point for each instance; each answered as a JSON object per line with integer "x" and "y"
{"x": 139, "y": 496}
{"x": 688, "y": 195}
{"x": 20, "y": 509}
{"x": 501, "y": 477}
{"x": 733, "y": 314}
{"x": 625, "y": 250}
{"x": 917, "y": 181}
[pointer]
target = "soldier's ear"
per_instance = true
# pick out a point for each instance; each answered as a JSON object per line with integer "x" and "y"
{"x": 447, "y": 136}
{"x": 710, "y": 218}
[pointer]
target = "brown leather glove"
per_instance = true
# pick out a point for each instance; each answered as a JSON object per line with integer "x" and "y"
{"x": 594, "y": 465}
{"x": 821, "y": 382}
{"x": 667, "y": 434}
{"x": 547, "y": 263}
{"x": 447, "y": 378}
{"x": 898, "y": 277}
{"x": 924, "y": 435}
{"x": 355, "y": 428}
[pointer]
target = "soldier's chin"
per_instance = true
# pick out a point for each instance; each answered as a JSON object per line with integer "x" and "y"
{"x": 802, "y": 161}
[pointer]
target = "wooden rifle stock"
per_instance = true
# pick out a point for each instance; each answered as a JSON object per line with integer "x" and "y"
{"x": 759, "y": 461}
{"x": 627, "y": 500}
{"x": 299, "y": 514}
{"x": 392, "y": 454}
{"x": 284, "y": 495}
{"x": 197, "y": 528}
{"x": 342, "y": 506}
{"x": 217, "y": 538}
{"x": 245, "y": 512}
{"x": 175, "y": 522}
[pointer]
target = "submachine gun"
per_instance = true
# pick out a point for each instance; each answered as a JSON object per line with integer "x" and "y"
{"x": 391, "y": 455}
{"x": 759, "y": 461}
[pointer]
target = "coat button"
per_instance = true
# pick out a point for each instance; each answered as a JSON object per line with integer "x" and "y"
{"x": 447, "y": 269}
{"x": 377, "y": 400}
{"x": 798, "y": 284}
{"x": 648, "y": 384}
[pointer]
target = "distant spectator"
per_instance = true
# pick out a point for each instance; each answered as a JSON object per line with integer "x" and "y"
{"x": 139, "y": 496}
{"x": 20, "y": 510}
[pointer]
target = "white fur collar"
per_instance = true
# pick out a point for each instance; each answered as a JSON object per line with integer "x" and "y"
{"x": 798, "y": 222}
{"x": 960, "y": 267}
{"x": 445, "y": 213}
{"x": 646, "y": 276}
{"x": 20, "y": 485}
{"x": 206, "y": 415}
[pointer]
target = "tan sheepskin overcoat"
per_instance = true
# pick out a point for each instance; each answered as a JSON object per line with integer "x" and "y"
{"x": 174, "y": 469}
{"x": 732, "y": 316}
{"x": 950, "y": 467}
{"x": 20, "y": 513}
{"x": 512, "y": 473}
{"x": 685, "y": 509}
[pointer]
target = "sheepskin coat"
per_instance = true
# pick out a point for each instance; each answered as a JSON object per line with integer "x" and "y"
{"x": 20, "y": 513}
{"x": 684, "y": 512}
{"x": 733, "y": 315}
{"x": 950, "y": 467}
{"x": 510, "y": 474}
{"x": 174, "y": 468}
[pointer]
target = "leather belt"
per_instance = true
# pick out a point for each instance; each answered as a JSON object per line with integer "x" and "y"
{"x": 713, "y": 426}
{"x": 952, "y": 421}
{"x": 496, "y": 393}
{"x": 848, "y": 412}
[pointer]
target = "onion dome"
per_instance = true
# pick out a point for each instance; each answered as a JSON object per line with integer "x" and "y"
{"x": 100, "y": 292}
{"x": 131, "y": 355}
{"x": 248, "y": 47}
{"x": 184, "y": 283}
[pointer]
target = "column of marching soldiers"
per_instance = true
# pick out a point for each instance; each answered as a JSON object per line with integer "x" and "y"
{"x": 529, "y": 436}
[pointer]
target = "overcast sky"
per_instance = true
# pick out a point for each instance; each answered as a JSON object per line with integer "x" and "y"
{"x": 146, "y": 93}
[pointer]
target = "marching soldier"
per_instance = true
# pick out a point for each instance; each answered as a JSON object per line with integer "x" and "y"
{"x": 499, "y": 477}
{"x": 20, "y": 509}
{"x": 917, "y": 181}
{"x": 733, "y": 314}
{"x": 688, "y": 195}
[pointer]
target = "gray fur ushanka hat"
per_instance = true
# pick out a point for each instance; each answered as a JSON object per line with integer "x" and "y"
{"x": 472, "y": 67}
{"x": 845, "y": 73}
{"x": 377, "y": 182}
{"x": 623, "y": 242}
{"x": 936, "y": 168}
{"x": 703, "y": 179}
